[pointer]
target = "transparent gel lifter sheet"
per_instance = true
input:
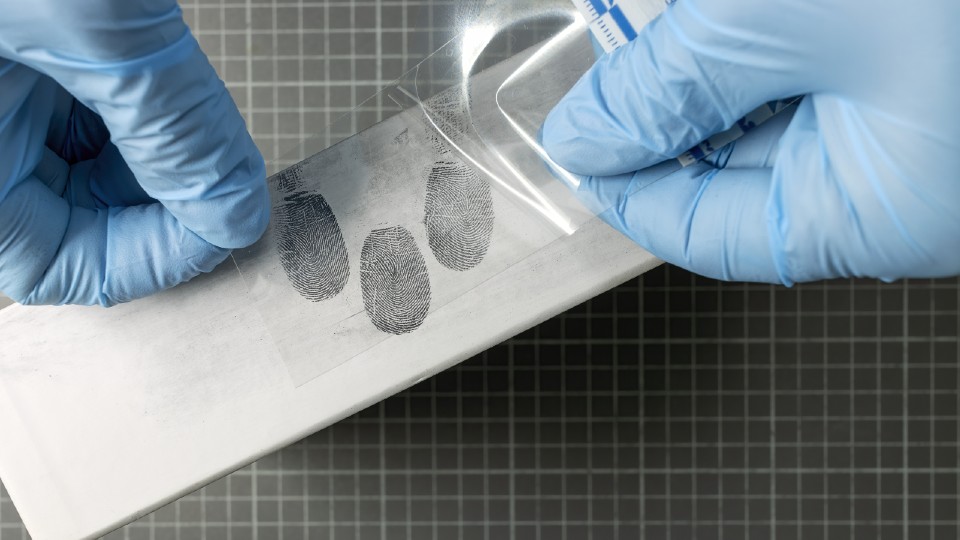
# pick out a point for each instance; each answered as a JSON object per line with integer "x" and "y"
{"x": 377, "y": 234}
{"x": 374, "y": 235}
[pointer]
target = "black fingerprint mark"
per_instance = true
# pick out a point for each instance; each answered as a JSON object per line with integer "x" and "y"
{"x": 448, "y": 117}
{"x": 458, "y": 215}
{"x": 290, "y": 179}
{"x": 394, "y": 281}
{"x": 311, "y": 246}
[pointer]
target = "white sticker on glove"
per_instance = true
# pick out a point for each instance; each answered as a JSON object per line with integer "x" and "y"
{"x": 615, "y": 23}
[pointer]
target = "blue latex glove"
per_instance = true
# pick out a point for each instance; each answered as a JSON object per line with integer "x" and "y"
{"x": 862, "y": 180}
{"x": 125, "y": 167}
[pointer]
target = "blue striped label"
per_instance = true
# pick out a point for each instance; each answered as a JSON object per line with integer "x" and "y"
{"x": 598, "y": 6}
{"x": 623, "y": 23}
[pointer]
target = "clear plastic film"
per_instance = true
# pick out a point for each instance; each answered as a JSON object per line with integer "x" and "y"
{"x": 371, "y": 238}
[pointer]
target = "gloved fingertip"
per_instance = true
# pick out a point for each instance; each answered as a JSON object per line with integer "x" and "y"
{"x": 588, "y": 132}
{"x": 149, "y": 251}
{"x": 557, "y": 139}
{"x": 258, "y": 218}
{"x": 236, "y": 211}
{"x": 570, "y": 180}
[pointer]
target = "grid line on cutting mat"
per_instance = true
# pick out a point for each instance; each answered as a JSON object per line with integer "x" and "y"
{"x": 670, "y": 407}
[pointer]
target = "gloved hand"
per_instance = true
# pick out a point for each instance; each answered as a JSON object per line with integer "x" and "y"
{"x": 863, "y": 180}
{"x": 125, "y": 167}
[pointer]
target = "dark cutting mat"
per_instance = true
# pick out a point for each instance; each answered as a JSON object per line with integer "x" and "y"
{"x": 673, "y": 407}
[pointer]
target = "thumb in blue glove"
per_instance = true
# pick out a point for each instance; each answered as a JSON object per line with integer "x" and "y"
{"x": 861, "y": 180}
{"x": 125, "y": 167}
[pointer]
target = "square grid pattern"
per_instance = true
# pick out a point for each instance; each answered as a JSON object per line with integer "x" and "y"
{"x": 672, "y": 407}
